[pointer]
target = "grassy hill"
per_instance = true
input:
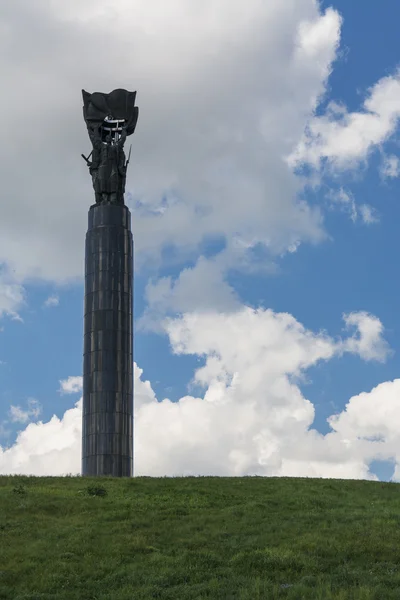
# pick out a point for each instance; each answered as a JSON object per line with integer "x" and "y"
{"x": 195, "y": 538}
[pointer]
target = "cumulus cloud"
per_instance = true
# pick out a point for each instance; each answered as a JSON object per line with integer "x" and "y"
{"x": 71, "y": 385}
{"x": 369, "y": 424}
{"x": 368, "y": 214}
{"x": 368, "y": 342}
{"x": 344, "y": 201}
{"x": 390, "y": 166}
{"x": 47, "y": 448}
{"x": 19, "y": 415}
{"x": 341, "y": 140}
{"x": 249, "y": 415}
{"x": 12, "y": 295}
{"x": 224, "y": 94}
{"x": 202, "y": 286}
{"x": 52, "y": 300}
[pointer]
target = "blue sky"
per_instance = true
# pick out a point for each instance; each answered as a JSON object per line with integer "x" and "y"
{"x": 345, "y": 260}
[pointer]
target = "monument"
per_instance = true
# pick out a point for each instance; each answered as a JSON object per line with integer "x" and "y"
{"x": 107, "y": 420}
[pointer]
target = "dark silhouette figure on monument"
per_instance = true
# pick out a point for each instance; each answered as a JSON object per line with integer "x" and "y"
{"x": 109, "y": 118}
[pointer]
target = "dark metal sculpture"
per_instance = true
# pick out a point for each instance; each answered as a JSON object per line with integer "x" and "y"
{"x": 109, "y": 118}
{"x": 107, "y": 419}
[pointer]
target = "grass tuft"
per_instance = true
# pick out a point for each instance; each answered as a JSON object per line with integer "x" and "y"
{"x": 95, "y": 490}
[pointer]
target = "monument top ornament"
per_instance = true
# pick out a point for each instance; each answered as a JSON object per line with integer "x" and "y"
{"x": 109, "y": 118}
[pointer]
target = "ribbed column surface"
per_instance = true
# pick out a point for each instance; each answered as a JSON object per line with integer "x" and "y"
{"x": 107, "y": 427}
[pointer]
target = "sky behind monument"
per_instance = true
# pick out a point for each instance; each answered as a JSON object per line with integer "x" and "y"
{"x": 263, "y": 185}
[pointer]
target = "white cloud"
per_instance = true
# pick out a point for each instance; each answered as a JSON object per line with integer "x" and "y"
{"x": 224, "y": 93}
{"x": 368, "y": 214}
{"x": 52, "y": 300}
{"x": 368, "y": 342}
{"x": 344, "y": 201}
{"x": 202, "y": 286}
{"x": 370, "y": 424}
{"x": 18, "y": 415}
{"x": 251, "y": 418}
{"x": 12, "y": 295}
{"x": 71, "y": 385}
{"x": 44, "y": 448}
{"x": 341, "y": 140}
{"x": 390, "y": 166}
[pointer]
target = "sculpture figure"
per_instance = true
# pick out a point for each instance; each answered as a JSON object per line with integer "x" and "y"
{"x": 109, "y": 118}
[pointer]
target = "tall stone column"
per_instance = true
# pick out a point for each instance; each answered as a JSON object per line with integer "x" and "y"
{"x": 107, "y": 436}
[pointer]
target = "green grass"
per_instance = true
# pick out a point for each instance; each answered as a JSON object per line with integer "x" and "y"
{"x": 195, "y": 538}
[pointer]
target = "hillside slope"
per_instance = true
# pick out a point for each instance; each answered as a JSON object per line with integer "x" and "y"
{"x": 198, "y": 538}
